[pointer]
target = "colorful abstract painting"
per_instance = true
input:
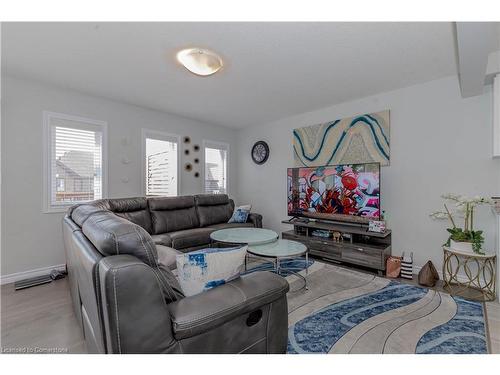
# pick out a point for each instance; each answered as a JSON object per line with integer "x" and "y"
{"x": 354, "y": 140}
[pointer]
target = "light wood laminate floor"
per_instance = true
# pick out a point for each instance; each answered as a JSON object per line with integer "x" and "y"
{"x": 39, "y": 319}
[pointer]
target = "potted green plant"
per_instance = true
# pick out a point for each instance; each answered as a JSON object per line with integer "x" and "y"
{"x": 464, "y": 239}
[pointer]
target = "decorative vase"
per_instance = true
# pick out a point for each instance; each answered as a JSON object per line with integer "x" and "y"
{"x": 464, "y": 247}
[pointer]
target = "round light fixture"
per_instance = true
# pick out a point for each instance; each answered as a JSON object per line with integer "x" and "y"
{"x": 202, "y": 62}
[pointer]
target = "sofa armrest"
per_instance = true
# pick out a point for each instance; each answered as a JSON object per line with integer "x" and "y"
{"x": 194, "y": 315}
{"x": 136, "y": 317}
{"x": 256, "y": 219}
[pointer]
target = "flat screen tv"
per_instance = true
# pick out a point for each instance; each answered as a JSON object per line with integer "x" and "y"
{"x": 349, "y": 192}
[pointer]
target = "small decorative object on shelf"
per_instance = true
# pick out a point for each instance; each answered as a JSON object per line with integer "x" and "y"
{"x": 464, "y": 239}
{"x": 377, "y": 226}
{"x": 469, "y": 275}
{"x": 321, "y": 233}
{"x": 337, "y": 236}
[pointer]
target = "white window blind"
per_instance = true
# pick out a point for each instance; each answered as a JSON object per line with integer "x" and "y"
{"x": 74, "y": 170}
{"x": 216, "y": 157}
{"x": 161, "y": 161}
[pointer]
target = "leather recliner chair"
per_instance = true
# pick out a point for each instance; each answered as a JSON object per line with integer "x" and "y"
{"x": 128, "y": 302}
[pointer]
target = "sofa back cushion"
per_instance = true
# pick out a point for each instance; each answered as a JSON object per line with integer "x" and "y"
{"x": 134, "y": 210}
{"x": 214, "y": 208}
{"x": 82, "y": 212}
{"x": 169, "y": 214}
{"x": 114, "y": 235}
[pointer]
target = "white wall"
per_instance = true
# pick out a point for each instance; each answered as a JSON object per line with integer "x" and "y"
{"x": 439, "y": 143}
{"x": 1, "y": 156}
{"x": 32, "y": 239}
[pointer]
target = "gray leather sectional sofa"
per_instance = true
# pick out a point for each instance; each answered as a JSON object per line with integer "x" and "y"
{"x": 127, "y": 300}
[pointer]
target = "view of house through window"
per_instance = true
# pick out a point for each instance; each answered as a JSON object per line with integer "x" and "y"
{"x": 161, "y": 165}
{"x": 216, "y": 156}
{"x": 75, "y": 153}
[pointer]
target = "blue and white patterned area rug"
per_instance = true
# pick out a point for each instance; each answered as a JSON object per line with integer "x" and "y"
{"x": 346, "y": 311}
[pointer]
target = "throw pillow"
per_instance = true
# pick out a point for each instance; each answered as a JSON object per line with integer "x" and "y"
{"x": 205, "y": 269}
{"x": 240, "y": 214}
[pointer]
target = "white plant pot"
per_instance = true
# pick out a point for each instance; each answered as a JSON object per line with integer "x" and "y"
{"x": 465, "y": 247}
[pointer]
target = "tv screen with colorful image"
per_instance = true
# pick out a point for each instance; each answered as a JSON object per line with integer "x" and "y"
{"x": 343, "y": 192}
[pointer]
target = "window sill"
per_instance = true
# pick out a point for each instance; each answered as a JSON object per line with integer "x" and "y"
{"x": 55, "y": 210}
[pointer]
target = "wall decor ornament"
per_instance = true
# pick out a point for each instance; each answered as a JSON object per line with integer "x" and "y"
{"x": 352, "y": 140}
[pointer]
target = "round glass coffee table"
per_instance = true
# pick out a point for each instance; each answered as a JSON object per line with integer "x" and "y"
{"x": 280, "y": 250}
{"x": 249, "y": 236}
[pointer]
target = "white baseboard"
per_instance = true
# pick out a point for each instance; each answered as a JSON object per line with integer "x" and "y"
{"x": 13, "y": 277}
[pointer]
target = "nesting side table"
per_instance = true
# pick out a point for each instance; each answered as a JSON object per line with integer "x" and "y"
{"x": 469, "y": 275}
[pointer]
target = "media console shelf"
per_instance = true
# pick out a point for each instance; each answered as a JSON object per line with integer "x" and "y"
{"x": 359, "y": 246}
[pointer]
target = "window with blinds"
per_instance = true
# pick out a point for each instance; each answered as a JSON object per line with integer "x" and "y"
{"x": 75, "y": 160}
{"x": 161, "y": 164}
{"x": 216, "y": 157}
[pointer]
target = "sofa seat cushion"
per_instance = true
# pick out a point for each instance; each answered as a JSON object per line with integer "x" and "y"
{"x": 167, "y": 256}
{"x": 226, "y": 302}
{"x": 162, "y": 239}
{"x": 231, "y": 225}
{"x": 190, "y": 237}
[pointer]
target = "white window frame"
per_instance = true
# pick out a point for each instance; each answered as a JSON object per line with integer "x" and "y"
{"x": 215, "y": 144}
{"x": 93, "y": 125}
{"x": 161, "y": 135}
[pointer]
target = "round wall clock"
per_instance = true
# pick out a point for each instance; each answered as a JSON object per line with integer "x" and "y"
{"x": 260, "y": 152}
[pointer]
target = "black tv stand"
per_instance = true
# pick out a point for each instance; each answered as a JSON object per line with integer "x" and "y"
{"x": 357, "y": 246}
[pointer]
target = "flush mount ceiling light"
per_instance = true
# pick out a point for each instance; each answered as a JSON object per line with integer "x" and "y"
{"x": 199, "y": 61}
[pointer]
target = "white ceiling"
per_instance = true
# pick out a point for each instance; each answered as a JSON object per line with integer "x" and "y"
{"x": 272, "y": 70}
